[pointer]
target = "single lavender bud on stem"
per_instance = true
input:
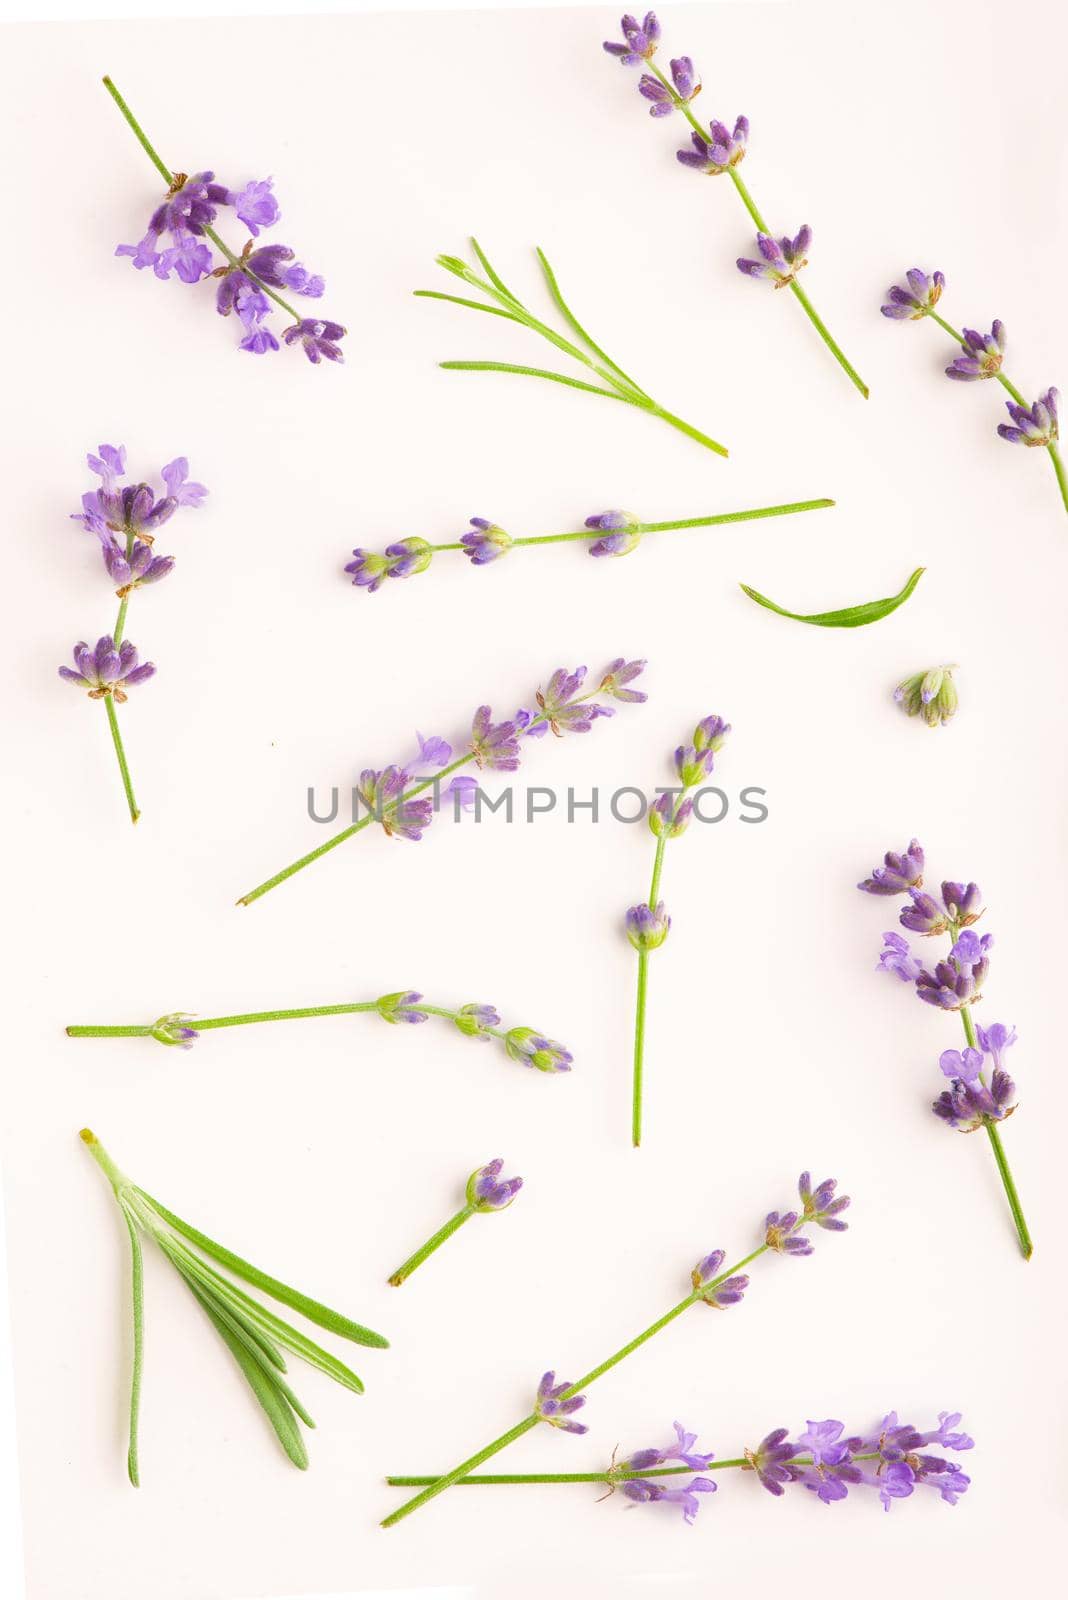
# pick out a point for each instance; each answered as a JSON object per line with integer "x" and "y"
{"x": 486, "y": 1192}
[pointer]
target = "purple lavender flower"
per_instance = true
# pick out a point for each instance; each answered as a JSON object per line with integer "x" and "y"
{"x": 403, "y": 1006}
{"x": 485, "y": 1193}
{"x": 1034, "y": 427}
{"x": 779, "y": 1234}
{"x": 530, "y": 724}
{"x": 969, "y": 1102}
{"x": 769, "y": 1459}
{"x": 664, "y": 98}
{"x": 898, "y": 872}
{"x": 132, "y": 509}
{"x": 643, "y": 1491}
{"x": 720, "y": 1295}
{"x": 823, "y": 1442}
{"x": 532, "y": 1049}
{"x": 682, "y": 1451}
{"x": 901, "y": 1465}
{"x": 921, "y": 296}
{"x": 486, "y": 542}
{"x": 896, "y": 957}
{"x": 106, "y": 671}
{"x": 780, "y": 259}
{"x": 924, "y": 915}
{"x": 255, "y": 205}
{"x": 668, "y": 816}
{"x": 647, "y": 926}
{"x": 958, "y": 980}
{"x": 639, "y": 40}
{"x": 620, "y": 533}
{"x": 711, "y": 733}
{"x": 275, "y": 264}
{"x": 174, "y": 1029}
{"x": 189, "y": 208}
{"x": 475, "y": 1020}
{"x": 693, "y": 765}
{"x": 983, "y": 353}
{"x": 406, "y": 558}
{"x": 136, "y": 569}
{"x": 617, "y": 675}
{"x": 555, "y": 1411}
{"x": 494, "y": 743}
{"x": 434, "y": 751}
{"x": 318, "y": 338}
{"x": 561, "y": 707}
{"x": 382, "y": 794}
{"x": 719, "y": 153}
{"x": 820, "y": 1204}
{"x": 963, "y": 902}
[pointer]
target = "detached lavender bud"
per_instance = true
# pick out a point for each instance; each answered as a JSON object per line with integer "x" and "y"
{"x": 474, "y": 1020}
{"x": 533, "y": 1049}
{"x": 173, "y": 1029}
{"x": 485, "y": 543}
{"x": 105, "y": 671}
{"x": 898, "y": 873}
{"x": 780, "y": 259}
{"x": 485, "y": 1193}
{"x": 317, "y": 337}
{"x": 621, "y": 533}
{"x": 556, "y": 1412}
{"x": 983, "y": 353}
{"x": 1034, "y": 427}
{"x": 922, "y": 295}
{"x": 720, "y": 152}
{"x": 400, "y": 1007}
{"x": 639, "y": 40}
{"x": 647, "y": 926}
{"x": 931, "y": 695}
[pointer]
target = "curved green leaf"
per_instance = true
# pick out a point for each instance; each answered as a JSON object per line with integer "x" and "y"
{"x": 267, "y": 1392}
{"x": 851, "y": 616}
{"x": 137, "y": 1272}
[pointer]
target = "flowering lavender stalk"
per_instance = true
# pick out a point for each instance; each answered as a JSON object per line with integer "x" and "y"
{"x": 614, "y": 382}
{"x": 392, "y": 799}
{"x": 719, "y": 150}
{"x": 524, "y": 1045}
{"x": 555, "y": 1403}
{"x": 249, "y": 1330}
{"x": 248, "y": 282}
{"x": 954, "y": 985}
{"x": 931, "y": 695}
{"x": 893, "y": 1459}
{"x": 606, "y": 533}
{"x": 486, "y": 1192}
{"x": 648, "y": 924}
{"x": 125, "y": 519}
{"x": 1034, "y": 425}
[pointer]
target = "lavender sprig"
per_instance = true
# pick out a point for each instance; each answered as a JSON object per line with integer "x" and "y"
{"x": 402, "y": 807}
{"x": 125, "y": 518}
{"x": 648, "y": 924}
{"x": 606, "y": 533}
{"x": 893, "y": 1458}
{"x": 954, "y": 984}
{"x": 931, "y": 695}
{"x": 717, "y": 151}
{"x": 614, "y": 382}
{"x": 486, "y": 1192}
{"x": 249, "y": 281}
{"x": 783, "y": 1234}
{"x": 1035, "y": 425}
{"x": 249, "y": 1330}
{"x": 524, "y": 1045}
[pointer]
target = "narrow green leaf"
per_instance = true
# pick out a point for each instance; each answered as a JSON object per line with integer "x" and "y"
{"x": 266, "y": 1390}
{"x": 196, "y": 1274}
{"x": 250, "y": 1341}
{"x": 314, "y": 1310}
{"x": 529, "y": 372}
{"x": 851, "y": 616}
{"x": 475, "y": 305}
{"x": 573, "y": 322}
{"x": 497, "y": 282}
{"x": 137, "y": 1267}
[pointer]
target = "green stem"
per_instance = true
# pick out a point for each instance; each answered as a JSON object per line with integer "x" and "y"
{"x": 240, "y": 1019}
{"x": 168, "y": 176}
{"x": 825, "y": 334}
{"x": 686, "y": 428}
{"x": 994, "y": 1135}
{"x": 639, "y": 1050}
{"x": 465, "y": 1467}
{"x": 1058, "y": 467}
{"x": 589, "y": 534}
{"x": 612, "y": 1476}
{"x": 116, "y": 737}
{"x": 435, "y": 1241}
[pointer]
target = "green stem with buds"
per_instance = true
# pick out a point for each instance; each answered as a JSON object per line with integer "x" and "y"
{"x": 1010, "y": 387}
{"x": 590, "y": 534}
{"x": 435, "y": 1242}
{"x": 750, "y": 205}
{"x": 993, "y": 1133}
{"x": 438, "y": 1485}
{"x": 611, "y": 1476}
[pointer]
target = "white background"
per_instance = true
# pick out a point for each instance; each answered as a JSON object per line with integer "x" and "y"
{"x": 327, "y": 1150}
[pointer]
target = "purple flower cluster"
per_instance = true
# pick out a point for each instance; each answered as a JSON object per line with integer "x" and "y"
{"x": 723, "y": 149}
{"x": 177, "y": 240}
{"x": 1032, "y": 425}
{"x": 921, "y": 296}
{"x": 982, "y": 356}
{"x": 403, "y": 559}
{"x": 558, "y": 1413}
{"x": 968, "y": 1102}
{"x": 893, "y": 1459}
{"x": 820, "y": 1205}
{"x": 620, "y": 533}
{"x": 486, "y": 1191}
{"x": 644, "y": 1491}
{"x": 780, "y": 259}
{"x": 125, "y": 518}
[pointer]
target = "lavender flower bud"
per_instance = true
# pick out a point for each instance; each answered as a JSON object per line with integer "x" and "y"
{"x": 106, "y": 671}
{"x": 896, "y": 957}
{"x": 400, "y": 1007}
{"x": 318, "y": 339}
{"x": 819, "y": 1204}
{"x": 484, "y": 1193}
{"x": 485, "y": 543}
{"x": 780, "y": 259}
{"x": 617, "y": 675}
{"x": 957, "y": 981}
{"x": 621, "y": 533}
{"x": 692, "y": 765}
{"x": 639, "y": 41}
{"x": 931, "y": 694}
{"x": 983, "y": 353}
{"x": 494, "y": 744}
{"x": 924, "y": 915}
{"x": 173, "y": 1029}
{"x": 964, "y": 904}
{"x": 474, "y": 1020}
{"x": 644, "y": 1491}
{"x": 779, "y": 1234}
{"x": 555, "y": 1411}
{"x": 898, "y": 872}
{"x": 667, "y": 816}
{"x": 533, "y": 1049}
{"x": 647, "y": 926}
{"x": 720, "y": 1295}
{"x": 719, "y": 153}
{"x": 922, "y": 295}
{"x": 1034, "y": 427}
{"x": 711, "y": 733}
{"x": 664, "y": 98}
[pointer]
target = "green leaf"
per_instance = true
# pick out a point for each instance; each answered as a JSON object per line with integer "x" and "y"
{"x": 314, "y": 1310}
{"x": 852, "y": 616}
{"x": 475, "y": 305}
{"x": 573, "y": 322}
{"x": 138, "y": 1286}
{"x": 197, "y": 1274}
{"x": 497, "y": 283}
{"x": 265, "y": 1388}
{"x": 249, "y": 1340}
{"x": 528, "y": 372}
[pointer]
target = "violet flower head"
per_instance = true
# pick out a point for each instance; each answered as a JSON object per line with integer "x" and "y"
{"x": 434, "y": 751}
{"x": 255, "y": 205}
{"x": 666, "y": 98}
{"x": 174, "y": 1029}
{"x": 405, "y": 558}
{"x": 132, "y": 510}
{"x": 485, "y": 542}
{"x": 647, "y": 926}
{"x": 487, "y": 1192}
{"x": 475, "y": 1021}
{"x": 903, "y": 1464}
{"x": 780, "y": 259}
{"x": 925, "y": 915}
{"x": 532, "y": 1049}
{"x": 711, "y": 734}
{"x": 681, "y": 1450}
{"x": 896, "y": 957}
{"x": 494, "y": 743}
{"x": 667, "y": 815}
{"x": 645, "y": 1491}
{"x": 105, "y": 671}
{"x": 718, "y": 1293}
{"x": 135, "y": 570}
{"x": 958, "y": 980}
{"x": 692, "y": 764}
{"x": 1034, "y": 426}
{"x": 963, "y": 903}
{"x": 769, "y": 1458}
{"x": 898, "y": 873}
{"x": 318, "y": 338}
{"x": 639, "y": 40}
{"x": 276, "y": 264}
{"x": 191, "y": 205}
{"x": 617, "y": 676}
{"x": 970, "y": 1102}
{"x": 562, "y": 707}
{"x": 557, "y": 1412}
{"x": 382, "y": 795}
{"x": 821, "y": 1205}
{"x": 921, "y": 296}
{"x": 403, "y": 1006}
{"x": 780, "y": 1235}
{"x": 983, "y": 354}
{"x": 620, "y": 533}
{"x": 718, "y": 153}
